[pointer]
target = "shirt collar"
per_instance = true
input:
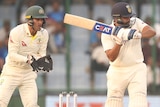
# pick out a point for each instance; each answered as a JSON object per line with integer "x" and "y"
{"x": 27, "y": 29}
{"x": 28, "y": 32}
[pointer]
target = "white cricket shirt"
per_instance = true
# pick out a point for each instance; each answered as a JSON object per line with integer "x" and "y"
{"x": 131, "y": 52}
{"x": 22, "y": 43}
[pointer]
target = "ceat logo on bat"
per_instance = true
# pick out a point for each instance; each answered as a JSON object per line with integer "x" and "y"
{"x": 99, "y": 27}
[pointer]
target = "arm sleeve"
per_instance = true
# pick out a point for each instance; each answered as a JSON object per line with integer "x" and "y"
{"x": 107, "y": 41}
{"x": 13, "y": 47}
{"x": 140, "y": 24}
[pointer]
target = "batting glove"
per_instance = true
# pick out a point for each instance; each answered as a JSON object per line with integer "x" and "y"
{"x": 116, "y": 30}
{"x": 118, "y": 40}
{"x": 134, "y": 34}
{"x": 126, "y": 34}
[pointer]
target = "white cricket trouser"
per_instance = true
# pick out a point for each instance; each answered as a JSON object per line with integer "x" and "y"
{"x": 134, "y": 78}
{"x": 22, "y": 79}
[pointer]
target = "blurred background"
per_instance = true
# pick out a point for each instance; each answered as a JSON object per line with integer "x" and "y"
{"x": 79, "y": 62}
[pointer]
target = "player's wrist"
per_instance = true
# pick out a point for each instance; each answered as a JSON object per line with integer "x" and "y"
{"x": 29, "y": 59}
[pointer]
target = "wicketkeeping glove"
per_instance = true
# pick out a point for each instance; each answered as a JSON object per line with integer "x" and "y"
{"x": 34, "y": 64}
{"x": 134, "y": 34}
{"x": 45, "y": 63}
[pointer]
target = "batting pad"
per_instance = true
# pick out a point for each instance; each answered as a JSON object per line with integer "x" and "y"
{"x": 114, "y": 102}
{"x": 138, "y": 100}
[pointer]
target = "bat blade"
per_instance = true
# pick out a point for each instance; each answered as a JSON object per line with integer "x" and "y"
{"x": 87, "y": 23}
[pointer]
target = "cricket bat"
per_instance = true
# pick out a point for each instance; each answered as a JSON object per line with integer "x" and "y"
{"x": 87, "y": 23}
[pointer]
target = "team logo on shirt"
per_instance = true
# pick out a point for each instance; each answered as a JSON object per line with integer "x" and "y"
{"x": 39, "y": 40}
{"x": 23, "y": 43}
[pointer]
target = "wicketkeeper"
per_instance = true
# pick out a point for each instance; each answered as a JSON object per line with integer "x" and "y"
{"x": 26, "y": 55}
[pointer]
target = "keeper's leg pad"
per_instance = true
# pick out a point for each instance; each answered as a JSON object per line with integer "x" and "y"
{"x": 114, "y": 102}
{"x": 138, "y": 100}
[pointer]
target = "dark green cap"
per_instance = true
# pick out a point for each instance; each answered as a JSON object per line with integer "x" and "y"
{"x": 35, "y": 12}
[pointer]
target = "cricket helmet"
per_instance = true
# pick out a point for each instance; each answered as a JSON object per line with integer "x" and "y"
{"x": 122, "y": 9}
{"x": 35, "y": 12}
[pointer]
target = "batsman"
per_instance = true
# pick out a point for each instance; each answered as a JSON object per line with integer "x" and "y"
{"x": 124, "y": 51}
{"x": 26, "y": 56}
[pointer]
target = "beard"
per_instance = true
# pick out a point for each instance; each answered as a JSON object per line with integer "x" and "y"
{"x": 124, "y": 24}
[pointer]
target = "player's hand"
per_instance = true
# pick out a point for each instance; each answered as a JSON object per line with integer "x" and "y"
{"x": 29, "y": 59}
{"x": 134, "y": 34}
{"x": 126, "y": 33}
{"x": 118, "y": 40}
{"x": 116, "y": 30}
{"x": 45, "y": 63}
{"x": 34, "y": 64}
{"x": 32, "y": 61}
